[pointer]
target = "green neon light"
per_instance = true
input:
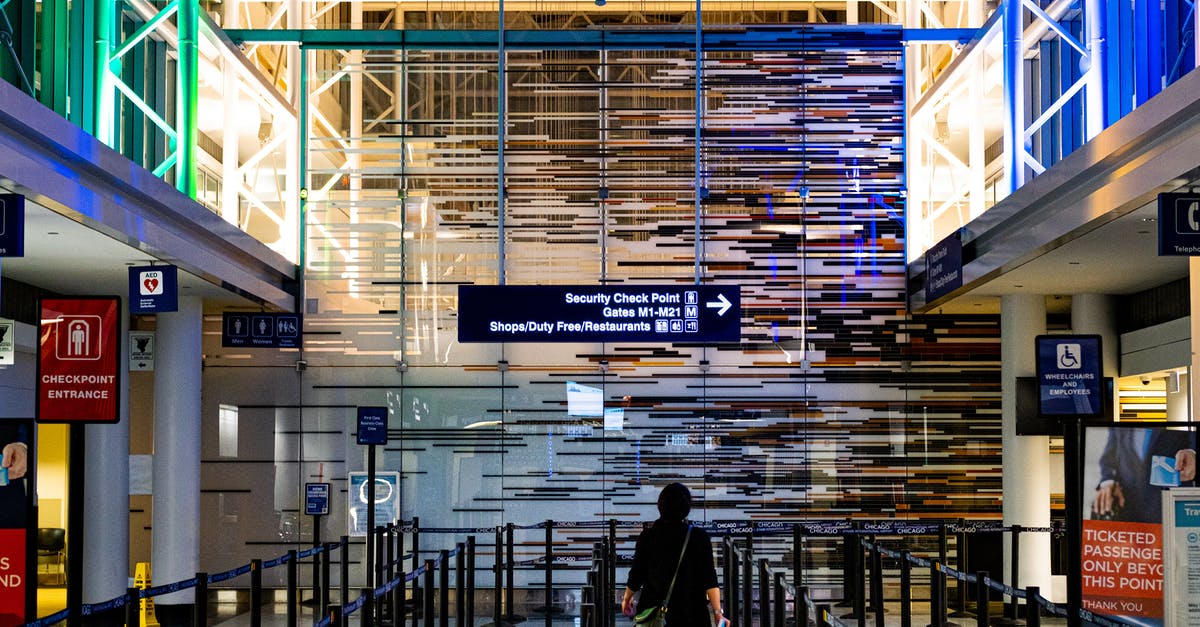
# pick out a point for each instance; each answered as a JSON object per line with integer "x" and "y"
{"x": 165, "y": 166}
{"x": 145, "y": 30}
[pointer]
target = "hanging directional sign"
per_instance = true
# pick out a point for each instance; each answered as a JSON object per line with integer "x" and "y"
{"x": 8, "y": 342}
{"x": 599, "y": 313}
{"x": 12, "y": 225}
{"x": 153, "y": 289}
{"x": 260, "y": 330}
{"x": 1070, "y": 375}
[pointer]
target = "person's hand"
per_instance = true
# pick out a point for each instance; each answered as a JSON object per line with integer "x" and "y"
{"x": 1185, "y": 463}
{"x": 720, "y": 619}
{"x": 1108, "y": 495}
{"x": 15, "y": 459}
{"x": 627, "y": 603}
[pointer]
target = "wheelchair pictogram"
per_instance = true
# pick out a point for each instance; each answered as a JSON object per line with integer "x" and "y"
{"x": 1068, "y": 357}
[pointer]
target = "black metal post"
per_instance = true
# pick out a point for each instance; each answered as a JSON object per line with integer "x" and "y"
{"x": 427, "y": 610}
{"x": 1033, "y": 609}
{"x": 133, "y": 607}
{"x": 200, "y": 604}
{"x": 1073, "y": 487}
{"x": 731, "y": 570}
{"x": 256, "y": 599}
{"x": 960, "y": 559}
{"x": 316, "y": 566}
{"x": 876, "y": 583}
{"x": 823, "y": 616}
{"x": 399, "y": 602}
{"x": 611, "y": 560}
{"x": 801, "y": 603}
{"x": 764, "y": 594}
{"x": 905, "y": 590}
{"x": 549, "y": 586}
{"x": 747, "y": 602}
{"x": 416, "y": 562}
{"x": 981, "y": 599}
{"x": 335, "y": 616}
{"x": 778, "y": 597}
{"x": 850, "y": 550}
{"x": 369, "y": 558}
{"x": 798, "y": 556}
{"x": 470, "y": 580}
{"x": 367, "y": 611}
{"x": 509, "y": 578}
{"x": 323, "y": 596}
{"x": 498, "y": 580}
{"x": 1015, "y": 574}
{"x": 460, "y": 584}
{"x": 344, "y": 584}
{"x": 293, "y": 588}
{"x": 393, "y": 530}
{"x": 937, "y": 618}
{"x": 444, "y": 588}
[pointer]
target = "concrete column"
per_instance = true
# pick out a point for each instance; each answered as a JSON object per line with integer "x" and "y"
{"x": 1026, "y": 458}
{"x": 176, "y": 532}
{"x": 106, "y": 494}
{"x": 1094, "y": 314}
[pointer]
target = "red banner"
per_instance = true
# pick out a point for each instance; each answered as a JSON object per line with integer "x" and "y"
{"x": 12, "y": 577}
{"x": 1123, "y": 568}
{"x": 79, "y": 352}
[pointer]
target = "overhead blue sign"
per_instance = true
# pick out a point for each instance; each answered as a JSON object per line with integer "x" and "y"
{"x": 943, "y": 268}
{"x": 385, "y": 498}
{"x": 372, "y": 425}
{"x": 316, "y": 499}
{"x": 12, "y": 225}
{"x": 1070, "y": 375}
{"x": 599, "y": 313}
{"x": 1178, "y": 224}
{"x": 153, "y": 289}
{"x": 260, "y": 330}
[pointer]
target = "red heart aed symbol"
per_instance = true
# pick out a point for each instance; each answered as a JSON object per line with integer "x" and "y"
{"x": 151, "y": 284}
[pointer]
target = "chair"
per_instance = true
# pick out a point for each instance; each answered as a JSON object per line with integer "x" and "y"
{"x": 51, "y": 545}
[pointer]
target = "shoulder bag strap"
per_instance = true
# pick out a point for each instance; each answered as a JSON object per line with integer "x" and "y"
{"x": 677, "y": 565}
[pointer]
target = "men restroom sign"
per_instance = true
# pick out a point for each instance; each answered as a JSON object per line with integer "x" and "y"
{"x": 1070, "y": 375}
{"x": 78, "y": 357}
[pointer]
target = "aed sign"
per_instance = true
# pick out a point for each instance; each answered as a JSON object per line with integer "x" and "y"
{"x": 79, "y": 351}
{"x": 1070, "y": 375}
{"x": 1178, "y": 224}
{"x": 12, "y": 225}
{"x": 153, "y": 289}
{"x": 599, "y": 313}
{"x": 316, "y": 499}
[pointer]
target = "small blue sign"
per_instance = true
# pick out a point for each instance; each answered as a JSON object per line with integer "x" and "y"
{"x": 260, "y": 330}
{"x": 153, "y": 289}
{"x": 1178, "y": 225}
{"x": 372, "y": 425}
{"x": 316, "y": 499}
{"x": 1070, "y": 375}
{"x": 943, "y": 268}
{"x": 599, "y": 313}
{"x": 12, "y": 225}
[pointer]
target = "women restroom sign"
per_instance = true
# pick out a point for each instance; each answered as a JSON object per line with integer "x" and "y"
{"x": 1070, "y": 375}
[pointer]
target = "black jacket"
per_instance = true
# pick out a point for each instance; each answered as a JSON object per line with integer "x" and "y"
{"x": 654, "y": 562}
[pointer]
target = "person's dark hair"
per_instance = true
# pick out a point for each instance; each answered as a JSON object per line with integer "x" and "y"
{"x": 674, "y": 502}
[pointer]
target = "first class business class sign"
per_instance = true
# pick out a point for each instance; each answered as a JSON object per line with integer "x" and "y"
{"x": 78, "y": 356}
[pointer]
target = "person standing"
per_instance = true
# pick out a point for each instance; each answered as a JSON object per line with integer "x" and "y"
{"x": 658, "y": 554}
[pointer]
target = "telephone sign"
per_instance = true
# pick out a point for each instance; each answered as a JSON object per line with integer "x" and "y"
{"x": 1178, "y": 225}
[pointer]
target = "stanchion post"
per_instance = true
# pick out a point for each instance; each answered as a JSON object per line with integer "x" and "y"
{"x": 549, "y": 591}
{"x": 460, "y": 584}
{"x": 849, "y": 577}
{"x": 823, "y": 615}
{"x": 960, "y": 558}
{"x": 256, "y": 599}
{"x": 798, "y": 555}
{"x": 393, "y": 530}
{"x": 747, "y": 602}
{"x": 323, "y": 597}
{"x": 937, "y": 618}
{"x": 498, "y": 580}
{"x": 905, "y": 589}
{"x": 444, "y": 588}
{"x": 399, "y": 603}
{"x": 344, "y": 584}
{"x": 859, "y": 613}
{"x": 509, "y": 568}
{"x": 876, "y": 582}
{"x": 427, "y": 610}
{"x": 801, "y": 603}
{"x": 730, "y": 569}
{"x": 611, "y": 561}
{"x": 293, "y": 588}
{"x": 200, "y": 603}
{"x": 981, "y": 599}
{"x": 470, "y": 580}
{"x": 317, "y": 584}
{"x": 416, "y": 553}
{"x": 368, "y": 607}
{"x": 335, "y": 616}
{"x": 1014, "y": 575}
{"x": 777, "y": 596}
{"x": 1033, "y": 609}
{"x": 133, "y": 606}
{"x": 764, "y": 594}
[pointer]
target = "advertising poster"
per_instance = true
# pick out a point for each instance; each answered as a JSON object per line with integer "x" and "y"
{"x": 386, "y": 500}
{"x": 1126, "y": 471}
{"x": 16, "y": 467}
{"x": 1181, "y": 540}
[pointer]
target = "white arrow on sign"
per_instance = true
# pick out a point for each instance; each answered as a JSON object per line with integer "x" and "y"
{"x": 722, "y": 304}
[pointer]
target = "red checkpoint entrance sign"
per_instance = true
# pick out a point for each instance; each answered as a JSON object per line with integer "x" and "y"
{"x": 78, "y": 357}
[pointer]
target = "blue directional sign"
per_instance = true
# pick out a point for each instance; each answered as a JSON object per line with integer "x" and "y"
{"x": 385, "y": 498}
{"x": 260, "y": 330}
{"x": 372, "y": 425}
{"x": 1178, "y": 224}
{"x": 943, "y": 268}
{"x": 316, "y": 499}
{"x": 599, "y": 313}
{"x": 12, "y": 225}
{"x": 1070, "y": 375}
{"x": 153, "y": 289}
